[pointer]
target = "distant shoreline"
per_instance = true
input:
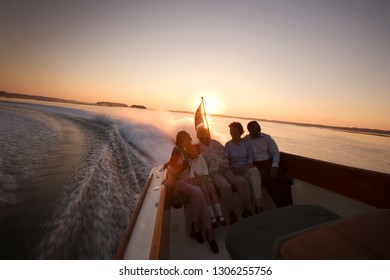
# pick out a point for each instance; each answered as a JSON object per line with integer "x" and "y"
{"x": 377, "y": 132}
{"x": 52, "y": 99}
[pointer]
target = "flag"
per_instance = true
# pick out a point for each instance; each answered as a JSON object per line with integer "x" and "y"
{"x": 201, "y": 121}
{"x": 199, "y": 117}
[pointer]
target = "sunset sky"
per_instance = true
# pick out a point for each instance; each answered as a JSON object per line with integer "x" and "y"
{"x": 311, "y": 61}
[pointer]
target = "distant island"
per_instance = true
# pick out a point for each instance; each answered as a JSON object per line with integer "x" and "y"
{"x": 52, "y": 99}
{"x": 40, "y": 98}
{"x": 110, "y": 104}
{"x": 378, "y": 132}
{"x": 138, "y": 106}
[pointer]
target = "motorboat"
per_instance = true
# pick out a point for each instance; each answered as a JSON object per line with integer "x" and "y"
{"x": 338, "y": 212}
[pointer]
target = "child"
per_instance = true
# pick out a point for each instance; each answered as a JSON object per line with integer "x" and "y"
{"x": 199, "y": 173}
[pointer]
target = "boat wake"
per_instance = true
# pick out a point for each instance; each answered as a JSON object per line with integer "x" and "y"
{"x": 75, "y": 190}
{"x": 94, "y": 211}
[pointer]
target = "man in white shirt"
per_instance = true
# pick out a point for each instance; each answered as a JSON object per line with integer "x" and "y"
{"x": 266, "y": 159}
{"x": 222, "y": 175}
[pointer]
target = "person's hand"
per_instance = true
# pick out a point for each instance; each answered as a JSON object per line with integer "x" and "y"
{"x": 168, "y": 182}
{"x": 274, "y": 172}
{"x": 244, "y": 170}
{"x": 165, "y": 182}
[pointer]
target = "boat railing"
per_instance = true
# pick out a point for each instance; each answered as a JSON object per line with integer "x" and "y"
{"x": 129, "y": 230}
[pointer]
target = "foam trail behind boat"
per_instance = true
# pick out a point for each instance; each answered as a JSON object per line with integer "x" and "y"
{"x": 109, "y": 156}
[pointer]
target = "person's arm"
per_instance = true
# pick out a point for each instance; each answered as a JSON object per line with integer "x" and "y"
{"x": 174, "y": 166}
{"x": 227, "y": 153}
{"x": 205, "y": 169}
{"x": 170, "y": 179}
{"x": 231, "y": 165}
{"x": 249, "y": 151}
{"x": 250, "y": 158}
{"x": 274, "y": 151}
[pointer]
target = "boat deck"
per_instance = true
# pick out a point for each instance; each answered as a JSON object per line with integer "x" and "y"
{"x": 362, "y": 237}
{"x": 159, "y": 231}
{"x": 184, "y": 248}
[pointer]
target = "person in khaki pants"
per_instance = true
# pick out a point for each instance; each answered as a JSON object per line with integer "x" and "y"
{"x": 222, "y": 175}
{"x": 240, "y": 155}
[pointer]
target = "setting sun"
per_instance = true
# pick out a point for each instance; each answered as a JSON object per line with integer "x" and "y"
{"x": 212, "y": 103}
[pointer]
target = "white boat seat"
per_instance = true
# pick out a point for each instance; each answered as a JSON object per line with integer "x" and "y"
{"x": 259, "y": 237}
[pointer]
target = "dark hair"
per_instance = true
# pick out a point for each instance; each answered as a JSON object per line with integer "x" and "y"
{"x": 237, "y": 126}
{"x": 180, "y": 136}
{"x": 252, "y": 124}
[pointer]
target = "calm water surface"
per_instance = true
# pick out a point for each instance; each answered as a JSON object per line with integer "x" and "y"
{"x": 365, "y": 151}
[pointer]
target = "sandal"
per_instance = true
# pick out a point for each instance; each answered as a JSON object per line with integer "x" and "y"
{"x": 222, "y": 221}
{"x": 214, "y": 222}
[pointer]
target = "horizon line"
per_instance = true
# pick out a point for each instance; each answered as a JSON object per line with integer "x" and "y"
{"x": 372, "y": 131}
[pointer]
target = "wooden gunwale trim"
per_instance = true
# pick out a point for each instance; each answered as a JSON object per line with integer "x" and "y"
{"x": 158, "y": 232}
{"x": 366, "y": 186}
{"x": 129, "y": 230}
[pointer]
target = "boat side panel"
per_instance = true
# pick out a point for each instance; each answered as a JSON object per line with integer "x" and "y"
{"x": 305, "y": 193}
{"x": 369, "y": 187}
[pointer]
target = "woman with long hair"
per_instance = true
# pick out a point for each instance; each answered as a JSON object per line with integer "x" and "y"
{"x": 178, "y": 179}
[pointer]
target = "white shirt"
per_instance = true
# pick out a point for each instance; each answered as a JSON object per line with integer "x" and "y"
{"x": 264, "y": 148}
{"x": 198, "y": 166}
{"x": 214, "y": 154}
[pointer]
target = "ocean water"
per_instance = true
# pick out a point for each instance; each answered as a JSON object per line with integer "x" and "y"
{"x": 71, "y": 175}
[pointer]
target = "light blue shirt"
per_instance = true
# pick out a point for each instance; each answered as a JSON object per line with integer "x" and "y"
{"x": 264, "y": 148}
{"x": 239, "y": 154}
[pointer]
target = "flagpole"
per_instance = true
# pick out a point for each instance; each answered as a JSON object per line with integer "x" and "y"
{"x": 205, "y": 116}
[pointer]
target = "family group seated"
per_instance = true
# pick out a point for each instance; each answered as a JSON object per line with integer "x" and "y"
{"x": 208, "y": 173}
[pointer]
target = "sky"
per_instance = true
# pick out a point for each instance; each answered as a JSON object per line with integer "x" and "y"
{"x": 321, "y": 62}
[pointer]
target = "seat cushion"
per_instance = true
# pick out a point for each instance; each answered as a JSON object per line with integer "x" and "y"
{"x": 255, "y": 237}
